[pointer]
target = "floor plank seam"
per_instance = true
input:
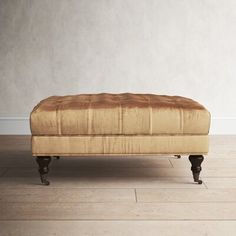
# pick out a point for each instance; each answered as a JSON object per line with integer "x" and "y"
{"x": 205, "y": 184}
{"x": 135, "y": 192}
{"x": 171, "y": 163}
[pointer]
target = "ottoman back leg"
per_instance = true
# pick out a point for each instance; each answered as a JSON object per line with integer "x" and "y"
{"x": 43, "y": 163}
{"x": 196, "y": 168}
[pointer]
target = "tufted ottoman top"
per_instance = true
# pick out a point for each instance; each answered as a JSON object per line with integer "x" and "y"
{"x": 119, "y": 114}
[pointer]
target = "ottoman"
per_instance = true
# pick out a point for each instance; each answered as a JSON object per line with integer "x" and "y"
{"x": 119, "y": 124}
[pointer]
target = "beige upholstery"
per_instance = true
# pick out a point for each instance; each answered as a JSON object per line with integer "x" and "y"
{"x": 116, "y": 124}
{"x": 119, "y": 145}
{"x": 116, "y": 114}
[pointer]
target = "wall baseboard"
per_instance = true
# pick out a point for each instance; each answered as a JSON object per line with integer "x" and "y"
{"x": 14, "y": 125}
{"x": 223, "y": 125}
{"x": 20, "y": 125}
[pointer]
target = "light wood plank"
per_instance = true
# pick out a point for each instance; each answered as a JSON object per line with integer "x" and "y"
{"x": 99, "y": 182}
{"x": 17, "y": 162}
{"x": 66, "y": 195}
{"x": 186, "y": 195}
{"x": 222, "y": 145}
{"x": 220, "y": 183}
{"x": 15, "y": 142}
{"x": 118, "y": 228}
{"x": 171, "y": 188}
{"x": 121, "y": 211}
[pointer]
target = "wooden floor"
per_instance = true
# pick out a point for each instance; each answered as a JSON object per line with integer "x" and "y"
{"x": 117, "y": 195}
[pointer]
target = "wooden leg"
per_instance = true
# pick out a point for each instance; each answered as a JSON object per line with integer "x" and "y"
{"x": 43, "y": 162}
{"x": 196, "y": 168}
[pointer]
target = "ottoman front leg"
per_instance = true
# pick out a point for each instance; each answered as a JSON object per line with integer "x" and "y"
{"x": 43, "y": 162}
{"x": 196, "y": 168}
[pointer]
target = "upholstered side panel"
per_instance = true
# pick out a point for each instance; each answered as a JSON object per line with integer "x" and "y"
{"x": 119, "y": 145}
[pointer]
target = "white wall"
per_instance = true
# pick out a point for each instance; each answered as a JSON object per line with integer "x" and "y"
{"x": 184, "y": 47}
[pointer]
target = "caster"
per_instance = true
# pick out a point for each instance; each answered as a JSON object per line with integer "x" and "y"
{"x": 178, "y": 156}
{"x": 199, "y": 181}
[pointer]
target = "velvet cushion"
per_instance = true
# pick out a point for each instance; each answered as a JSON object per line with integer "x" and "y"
{"x": 119, "y": 114}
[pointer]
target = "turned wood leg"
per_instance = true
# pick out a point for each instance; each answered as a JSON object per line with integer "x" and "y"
{"x": 196, "y": 168}
{"x": 43, "y": 163}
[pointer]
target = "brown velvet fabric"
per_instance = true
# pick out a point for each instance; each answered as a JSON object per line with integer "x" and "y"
{"x": 108, "y": 100}
{"x": 119, "y": 114}
{"x": 119, "y": 145}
